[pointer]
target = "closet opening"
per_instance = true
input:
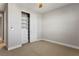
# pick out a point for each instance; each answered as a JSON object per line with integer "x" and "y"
{"x": 25, "y": 27}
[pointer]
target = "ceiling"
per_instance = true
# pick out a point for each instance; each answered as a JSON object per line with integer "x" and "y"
{"x": 34, "y": 6}
{"x": 46, "y": 6}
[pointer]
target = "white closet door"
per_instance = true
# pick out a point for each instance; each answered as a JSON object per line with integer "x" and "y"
{"x": 24, "y": 28}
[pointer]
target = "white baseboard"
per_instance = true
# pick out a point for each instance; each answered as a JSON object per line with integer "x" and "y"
{"x": 34, "y": 40}
{"x": 11, "y": 48}
{"x": 60, "y": 43}
{"x": 64, "y": 44}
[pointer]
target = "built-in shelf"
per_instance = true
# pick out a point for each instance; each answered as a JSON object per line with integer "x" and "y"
{"x": 24, "y": 21}
{"x": 25, "y": 26}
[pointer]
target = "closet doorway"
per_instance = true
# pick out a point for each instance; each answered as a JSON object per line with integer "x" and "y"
{"x": 25, "y": 26}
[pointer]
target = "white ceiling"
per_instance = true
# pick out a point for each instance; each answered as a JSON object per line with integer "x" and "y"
{"x": 34, "y": 7}
{"x": 46, "y": 6}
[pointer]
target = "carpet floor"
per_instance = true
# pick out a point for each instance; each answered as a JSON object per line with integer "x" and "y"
{"x": 41, "y": 48}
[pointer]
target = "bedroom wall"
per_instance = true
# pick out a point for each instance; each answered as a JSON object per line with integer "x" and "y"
{"x": 14, "y": 25}
{"x": 35, "y": 24}
{"x": 39, "y": 27}
{"x": 62, "y": 25}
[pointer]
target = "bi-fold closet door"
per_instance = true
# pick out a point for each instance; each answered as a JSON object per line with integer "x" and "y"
{"x": 25, "y": 27}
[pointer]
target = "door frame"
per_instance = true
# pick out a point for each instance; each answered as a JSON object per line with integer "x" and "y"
{"x": 28, "y": 14}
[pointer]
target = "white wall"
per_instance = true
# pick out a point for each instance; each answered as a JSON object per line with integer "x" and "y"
{"x": 39, "y": 27}
{"x": 35, "y": 24}
{"x": 14, "y": 26}
{"x": 62, "y": 25}
{"x": 33, "y": 27}
{"x": 14, "y": 21}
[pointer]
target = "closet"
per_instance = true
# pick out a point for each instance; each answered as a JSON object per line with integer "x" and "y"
{"x": 25, "y": 26}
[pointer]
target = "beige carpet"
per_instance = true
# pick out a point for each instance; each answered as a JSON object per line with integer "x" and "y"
{"x": 41, "y": 48}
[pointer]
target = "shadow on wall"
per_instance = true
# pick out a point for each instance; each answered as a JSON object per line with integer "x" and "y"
{"x": 1, "y": 28}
